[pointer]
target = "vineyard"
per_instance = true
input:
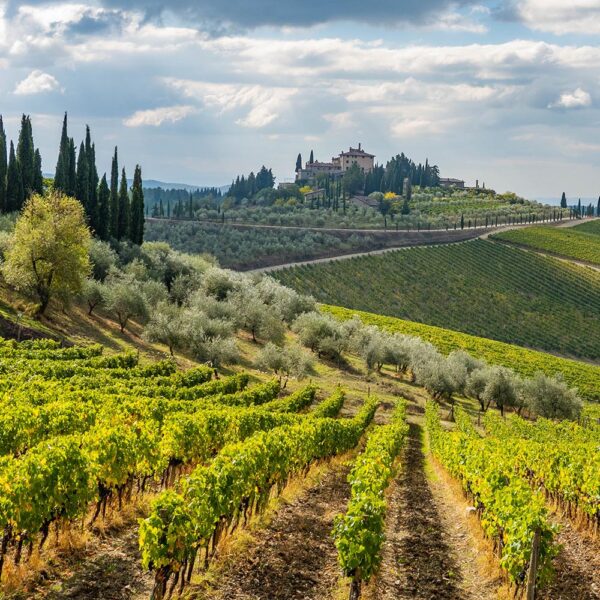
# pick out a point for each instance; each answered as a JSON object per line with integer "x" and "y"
{"x": 577, "y": 243}
{"x": 482, "y": 288}
{"x": 585, "y": 377}
{"x": 85, "y": 436}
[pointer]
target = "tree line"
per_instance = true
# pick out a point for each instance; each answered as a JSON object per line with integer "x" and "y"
{"x": 246, "y": 187}
{"x": 111, "y": 211}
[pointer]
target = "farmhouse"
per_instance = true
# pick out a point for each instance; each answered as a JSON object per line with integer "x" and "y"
{"x": 338, "y": 165}
{"x": 448, "y": 182}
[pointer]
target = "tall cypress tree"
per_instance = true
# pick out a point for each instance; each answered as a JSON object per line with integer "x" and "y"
{"x": 563, "y": 200}
{"x": 3, "y": 166}
{"x": 82, "y": 188}
{"x": 579, "y": 208}
{"x": 92, "y": 173}
{"x": 136, "y": 230}
{"x": 299, "y": 162}
{"x": 14, "y": 184}
{"x": 124, "y": 208}
{"x": 103, "y": 226}
{"x": 114, "y": 197}
{"x": 26, "y": 156}
{"x": 312, "y": 157}
{"x": 38, "y": 178}
{"x": 61, "y": 175}
{"x": 72, "y": 172}
{"x": 598, "y": 207}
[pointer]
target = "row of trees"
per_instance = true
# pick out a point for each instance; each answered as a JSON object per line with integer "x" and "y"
{"x": 247, "y": 187}
{"x": 20, "y": 170}
{"x": 442, "y": 376}
{"x": 111, "y": 211}
{"x": 579, "y": 210}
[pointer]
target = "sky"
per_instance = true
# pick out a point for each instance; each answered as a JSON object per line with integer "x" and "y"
{"x": 198, "y": 91}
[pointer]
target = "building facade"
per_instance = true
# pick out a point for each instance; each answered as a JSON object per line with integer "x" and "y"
{"x": 338, "y": 165}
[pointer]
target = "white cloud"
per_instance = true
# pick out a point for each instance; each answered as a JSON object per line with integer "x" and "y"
{"x": 576, "y": 99}
{"x": 36, "y": 82}
{"x": 157, "y": 116}
{"x": 264, "y": 104}
{"x": 561, "y": 16}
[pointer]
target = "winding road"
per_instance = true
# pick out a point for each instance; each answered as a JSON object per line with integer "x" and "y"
{"x": 483, "y": 236}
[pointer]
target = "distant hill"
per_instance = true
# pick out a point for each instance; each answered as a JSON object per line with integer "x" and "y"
{"x": 154, "y": 183}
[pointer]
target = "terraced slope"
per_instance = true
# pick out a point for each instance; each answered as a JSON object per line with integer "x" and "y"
{"x": 580, "y": 243}
{"x": 483, "y": 288}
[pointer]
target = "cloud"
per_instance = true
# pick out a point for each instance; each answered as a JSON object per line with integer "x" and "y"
{"x": 560, "y": 16}
{"x": 157, "y": 116}
{"x": 37, "y": 82}
{"x": 576, "y": 99}
{"x": 248, "y": 15}
{"x": 265, "y": 104}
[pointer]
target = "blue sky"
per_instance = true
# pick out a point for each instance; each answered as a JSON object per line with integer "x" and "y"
{"x": 507, "y": 92}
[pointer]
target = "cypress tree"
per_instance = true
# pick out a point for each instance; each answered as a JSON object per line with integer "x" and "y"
{"x": 103, "y": 225}
{"x": 72, "y": 173}
{"x": 124, "y": 208}
{"x": 579, "y": 208}
{"x": 26, "y": 157}
{"x": 114, "y": 197}
{"x": 61, "y": 175}
{"x": 136, "y": 231}
{"x": 93, "y": 209}
{"x": 312, "y": 157}
{"x": 82, "y": 188}
{"x": 14, "y": 184}
{"x": 563, "y": 201}
{"x": 598, "y": 207}
{"x": 3, "y": 166}
{"x": 38, "y": 178}
{"x": 299, "y": 162}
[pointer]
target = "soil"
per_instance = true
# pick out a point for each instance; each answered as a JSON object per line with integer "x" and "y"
{"x": 577, "y": 566}
{"x": 294, "y": 557}
{"x": 108, "y": 568}
{"x": 429, "y": 552}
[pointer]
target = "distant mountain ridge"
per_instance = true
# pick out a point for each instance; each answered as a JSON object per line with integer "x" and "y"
{"x": 155, "y": 183}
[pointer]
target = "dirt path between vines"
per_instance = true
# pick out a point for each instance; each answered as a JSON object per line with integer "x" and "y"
{"x": 293, "y": 557}
{"x": 429, "y": 550}
{"x": 577, "y": 566}
{"x": 108, "y": 568}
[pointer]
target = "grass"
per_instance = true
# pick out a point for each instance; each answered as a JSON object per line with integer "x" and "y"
{"x": 585, "y": 377}
{"x": 579, "y": 243}
{"x": 592, "y": 227}
{"x": 481, "y": 287}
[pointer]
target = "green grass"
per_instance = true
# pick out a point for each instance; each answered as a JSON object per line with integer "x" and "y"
{"x": 585, "y": 377}
{"x": 483, "y": 288}
{"x": 577, "y": 243}
{"x": 592, "y": 227}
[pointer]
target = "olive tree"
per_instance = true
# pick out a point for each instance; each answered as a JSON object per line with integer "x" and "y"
{"x": 49, "y": 250}
{"x": 289, "y": 361}
{"x": 500, "y": 388}
{"x": 125, "y": 300}
{"x": 551, "y": 397}
{"x": 323, "y": 334}
{"x": 165, "y": 326}
{"x": 209, "y": 339}
{"x": 93, "y": 293}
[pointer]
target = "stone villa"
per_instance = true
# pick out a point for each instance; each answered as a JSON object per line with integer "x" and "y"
{"x": 338, "y": 165}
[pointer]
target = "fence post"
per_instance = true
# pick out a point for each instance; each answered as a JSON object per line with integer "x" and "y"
{"x": 533, "y": 565}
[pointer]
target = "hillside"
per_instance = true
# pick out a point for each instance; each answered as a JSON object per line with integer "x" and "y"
{"x": 583, "y": 376}
{"x": 481, "y": 287}
{"x": 581, "y": 243}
